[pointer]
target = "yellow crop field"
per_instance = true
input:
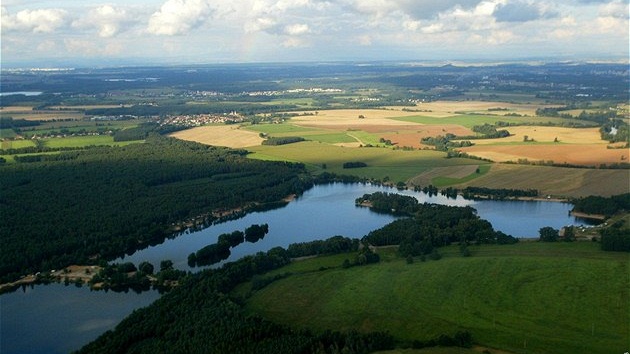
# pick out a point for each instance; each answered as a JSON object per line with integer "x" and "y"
{"x": 587, "y": 155}
{"x": 220, "y": 135}
{"x": 576, "y": 146}
{"x": 15, "y": 109}
{"x": 548, "y": 134}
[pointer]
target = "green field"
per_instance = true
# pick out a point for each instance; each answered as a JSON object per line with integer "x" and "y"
{"x": 278, "y": 129}
{"x": 527, "y": 298}
{"x": 470, "y": 120}
{"x": 74, "y": 126}
{"x": 16, "y": 144}
{"x": 55, "y": 143}
{"x": 449, "y": 181}
{"x": 398, "y": 165}
{"x": 82, "y": 141}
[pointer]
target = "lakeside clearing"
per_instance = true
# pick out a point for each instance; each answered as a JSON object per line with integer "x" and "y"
{"x": 556, "y": 297}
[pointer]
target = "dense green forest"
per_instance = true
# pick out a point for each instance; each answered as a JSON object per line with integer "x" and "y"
{"x": 602, "y": 205}
{"x": 430, "y": 226}
{"x": 95, "y": 204}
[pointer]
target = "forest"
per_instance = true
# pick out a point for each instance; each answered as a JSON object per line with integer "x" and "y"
{"x": 85, "y": 206}
{"x": 201, "y": 316}
{"x": 602, "y": 205}
{"x": 430, "y": 225}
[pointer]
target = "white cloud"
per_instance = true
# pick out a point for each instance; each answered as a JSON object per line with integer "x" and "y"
{"x": 107, "y": 20}
{"x": 177, "y": 17}
{"x": 336, "y": 28}
{"x": 36, "y": 21}
{"x": 296, "y": 29}
{"x": 616, "y": 9}
{"x": 260, "y": 24}
{"x": 293, "y": 42}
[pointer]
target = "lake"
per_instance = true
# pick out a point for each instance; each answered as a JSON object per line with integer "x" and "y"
{"x": 57, "y": 319}
{"x": 25, "y": 93}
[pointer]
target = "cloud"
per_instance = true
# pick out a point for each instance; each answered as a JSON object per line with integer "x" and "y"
{"x": 261, "y": 24}
{"x": 517, "y": 11}
{"x": 36, "y": 21}
{"x": 415, "y": 9}
{"x": 107, "y": 20}
{"x": 177, "y": 17}
{"x": 616, "y": 9}
{"x": 296, "y": 29}
{"x": 293, "y": 42}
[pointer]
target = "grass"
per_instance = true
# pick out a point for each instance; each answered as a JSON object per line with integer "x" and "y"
{"x": 78, "y": 125}
{"x": 80, "y": 141}
{"x": 442, "y": 181}
{"x": 7, "y": 133}
{"x": 525, "y": 298}
{"x": 331, "y": 138}
{"x": 16, "y": 144}
{"x": 274, "y": 129}
{"x": 11, "y": 158}
{"x": 300, "y": 102}
{"x": 398, "y": 165}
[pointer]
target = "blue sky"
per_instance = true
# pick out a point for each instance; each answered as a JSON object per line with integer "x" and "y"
{"x": 225, "y": 31}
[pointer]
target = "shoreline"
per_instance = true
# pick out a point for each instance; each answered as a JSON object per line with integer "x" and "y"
{"x": 578, "y": 214}
{"x": 70, "y": 274}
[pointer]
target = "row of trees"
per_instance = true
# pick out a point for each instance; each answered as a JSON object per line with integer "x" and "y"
{"x": 498, "y": 193}
{"x": 282, "y": 140}
{"x": 444, "y": 142}
{"x": 489, "y": 131}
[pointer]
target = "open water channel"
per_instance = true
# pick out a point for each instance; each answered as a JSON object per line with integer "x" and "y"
{"x": 58, "y": 319}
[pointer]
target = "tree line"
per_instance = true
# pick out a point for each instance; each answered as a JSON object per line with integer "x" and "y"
{"x": 274, "y": 141}
{"x": 607, "y": 206}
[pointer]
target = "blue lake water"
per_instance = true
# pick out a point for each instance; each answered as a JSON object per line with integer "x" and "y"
{"x": 57, "y": 319}
{"x": 25, "y": 93}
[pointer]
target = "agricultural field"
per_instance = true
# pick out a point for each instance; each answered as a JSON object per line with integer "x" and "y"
{"x": 396, "y": 165}
{"x": 525, "y": 298}
{"x": 576, "y": 146}
{"x": 83, "y": 141}
{"x": 342, "y": 135}
{"x": 27, "y": 113}
{"x": 220, "y": 135}
{"x": 553, "y": 181}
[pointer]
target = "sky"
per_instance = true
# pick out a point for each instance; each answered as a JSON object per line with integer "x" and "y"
{"x": 71, "y": 32}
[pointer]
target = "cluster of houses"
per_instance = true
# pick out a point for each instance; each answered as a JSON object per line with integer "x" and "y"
{"x": 196, "y": 120}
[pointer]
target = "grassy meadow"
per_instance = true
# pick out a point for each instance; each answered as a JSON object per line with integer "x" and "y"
{"x": 397, "y": 165}
{"x": 525, "y": 298}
